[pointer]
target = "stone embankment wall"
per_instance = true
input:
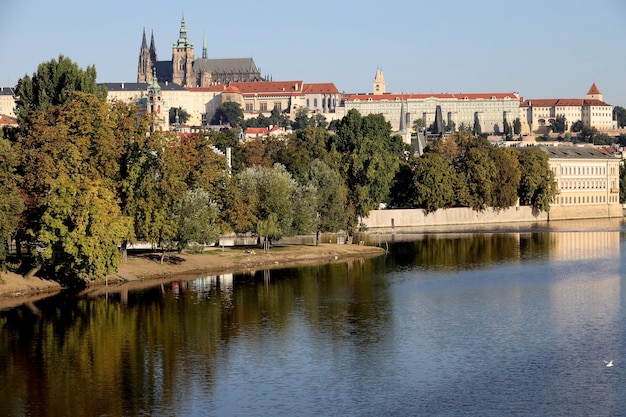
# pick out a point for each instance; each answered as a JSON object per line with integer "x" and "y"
{"x": 391, "y": 219}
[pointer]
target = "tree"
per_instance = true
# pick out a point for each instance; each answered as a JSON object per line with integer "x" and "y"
{"x": 178, "y": 115}
{"x": 11, "y": 203}
{"x": 517, "y": 126}
{"x": 577, "y": 126}
{"x": 506, "y": 180}
{"x": 302, "y": 120}
{"x": 587, "y": 134}
{"x": 434, "y": 182}
{"x": 51, "y": 85}
{"x": 419, "y": 125}
{"x": 196, "y": 216}
{"x": 506, "y": 127}
{"x": 619, "y": 115}
{"x": 228, "y": 113}
{"x": 319, "y": 120}
{"x": 537, "y": 184}
{"x": 559, "y": 124}
{"x": 476, "y": 171}
{"x": 476, "y": 129}
{"x": 331, "y": 198}
{"x": 266, "y": 191}
{"x": 80, "y": 229}
{"x": 367, "y": 157}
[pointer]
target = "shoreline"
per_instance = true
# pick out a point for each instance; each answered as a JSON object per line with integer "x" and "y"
{"x": 145, "y": 269}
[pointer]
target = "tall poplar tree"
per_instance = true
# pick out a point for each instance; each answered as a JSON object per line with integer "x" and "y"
{"x": 51, "y": 85}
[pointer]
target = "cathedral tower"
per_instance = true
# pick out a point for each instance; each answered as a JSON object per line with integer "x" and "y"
{"x": 144, "y": 69}
{"x": 182, "y": 58}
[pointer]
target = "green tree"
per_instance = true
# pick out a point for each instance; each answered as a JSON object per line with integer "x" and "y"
{"x": 537, "y": 184}
{"x": 319, "y": 120}
{"x": 619, "y": 115}
{"x": 228, "y": 113}
{"x": 80, "y": 229}
{"x": 196, "y": 215}
{"x": 476, "y": 171}
{"x": 11, "y": 203}
{"x": 476, "y": 129}
{"x": 368, "y": 157}
{"x": 506, "y": 128}
{"x": 302, "y": 120}
{"x": 559, "y": 124}
{"x": 434, "y": 183}
{"x": 178, "y": 115}
{"x": 267, "y": 191}
{"x": 331, "y": 200}
{"x": 577, "y": 126}
{"x": 588, "y": 134}
{"x": 51, "y": 85}
{"x": 506, "y": 180}
{"x": 419, "y": 125}
{"x": 517, "y": 126}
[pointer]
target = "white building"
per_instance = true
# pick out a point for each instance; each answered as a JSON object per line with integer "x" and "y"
{"x": 538, "y": 114}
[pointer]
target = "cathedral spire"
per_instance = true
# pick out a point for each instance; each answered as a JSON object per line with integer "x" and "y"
{"x": 145, "y": 62}
{"x": 183, "y": 41}
{"x": 144, "y": 44}
{"x": 153, "y": 53}
{"x": 204, "y": 52}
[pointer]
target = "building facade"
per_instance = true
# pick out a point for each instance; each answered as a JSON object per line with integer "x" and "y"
{"x": 538, "y": 114}
{"x": 7, "y": 101}
{"x": 585, "y": 176}
{"x": 491, "y": 109}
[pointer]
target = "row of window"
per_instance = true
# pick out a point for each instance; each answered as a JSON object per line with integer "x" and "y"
{"x": 582, "y": 185}
{"x": 587, "y": 199}
{"x": 597, "y": 170}
{"x": 263, "y": 107}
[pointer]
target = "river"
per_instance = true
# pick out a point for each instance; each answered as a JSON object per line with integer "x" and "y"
{"x": 514, "y": 321}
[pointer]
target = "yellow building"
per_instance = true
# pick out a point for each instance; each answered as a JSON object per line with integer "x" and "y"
{"x": 7, "y": 101}
{"x": 585, "y": 176}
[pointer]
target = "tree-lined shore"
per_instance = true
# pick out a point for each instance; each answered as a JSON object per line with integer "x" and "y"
{"x": 83, "y": 177}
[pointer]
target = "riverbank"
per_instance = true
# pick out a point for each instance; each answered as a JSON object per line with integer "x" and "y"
{"x": 15, "y": 289}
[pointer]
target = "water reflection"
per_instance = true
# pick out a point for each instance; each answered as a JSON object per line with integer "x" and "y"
{"x": 444, "y": 324}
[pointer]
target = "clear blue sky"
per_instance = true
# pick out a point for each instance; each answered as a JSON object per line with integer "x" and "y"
{"x": 541, "y": 49}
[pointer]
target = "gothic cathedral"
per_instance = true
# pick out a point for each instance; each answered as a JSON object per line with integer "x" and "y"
{"x": 186, "y": 71}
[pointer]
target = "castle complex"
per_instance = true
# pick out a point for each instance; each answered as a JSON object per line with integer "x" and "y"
{"x": 201, "y": 85}
{"x": 187, "y": 71}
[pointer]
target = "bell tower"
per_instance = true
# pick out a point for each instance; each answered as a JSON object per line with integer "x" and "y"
{"x": 182, "y": 58}
{"x": 379, "y": 82}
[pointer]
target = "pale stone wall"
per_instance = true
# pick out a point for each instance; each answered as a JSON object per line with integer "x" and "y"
{"x": 388, "y": 219}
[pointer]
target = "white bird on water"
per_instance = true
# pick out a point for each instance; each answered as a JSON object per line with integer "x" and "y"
{"x": 609, "y": 363}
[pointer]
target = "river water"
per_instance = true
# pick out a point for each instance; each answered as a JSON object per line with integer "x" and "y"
{"x": 506, "y": 322}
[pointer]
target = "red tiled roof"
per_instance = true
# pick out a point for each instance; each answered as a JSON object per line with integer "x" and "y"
{"x": 232, "y": 89}
{"x": 593, "y": 90}
{"x": 256, "y": 131}
{"x": 275, "y": 87}
{"x": 6, "y": 120}
{"x": 562, "y": 102}
{"x": 320, "y": 88}
{"x": 459, "y": 96}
